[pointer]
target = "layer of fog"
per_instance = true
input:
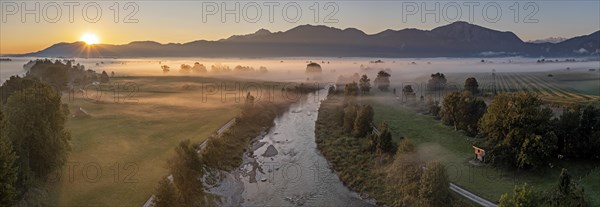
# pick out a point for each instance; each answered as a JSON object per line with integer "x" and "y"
{"x": 293, "y": 69}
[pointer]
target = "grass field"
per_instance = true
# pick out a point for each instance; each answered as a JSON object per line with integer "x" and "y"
{"x": 435, "y": 141}
{"x": 119, "y": 154}
{"x": 553, "y": 86}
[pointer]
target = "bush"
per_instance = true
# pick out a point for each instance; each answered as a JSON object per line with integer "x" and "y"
{"x": 520, "y": 197}
{"x": 434, "y": 187}
{"x": 405, "y": 146}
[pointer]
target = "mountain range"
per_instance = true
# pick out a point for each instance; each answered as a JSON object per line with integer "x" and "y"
{"x": 458, "y": 39}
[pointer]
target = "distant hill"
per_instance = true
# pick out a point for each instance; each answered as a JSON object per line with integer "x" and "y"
{"x": 458, "y": 39}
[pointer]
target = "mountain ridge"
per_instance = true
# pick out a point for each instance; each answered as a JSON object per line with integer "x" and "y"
{"x": 457, "y": 39}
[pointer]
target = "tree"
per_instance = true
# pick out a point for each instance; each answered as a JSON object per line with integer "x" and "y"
{"x": 589, "y": 129}
{"x": 15, "y": 84}
{"x": 472, "y": 86}
{"x": 434, "y": 110}
{"x": 437, "y": 82}
{"x": 218, "y": 68}
{"x": 451, "y": 109}
{"x": 566, "y": 128}
{"x": 383, "y": 80}
{"x": 35, "y": 123}
{"x": 405, "y": 174}
{"x": 247, "y": 109}
{"x": 383, "y": 141}
{"x": 262, "y": 69}
{"x": 349, "y": 117}
{"x": 566, "y": 192}
{"x": 350, "y": 93}
{"x": 343, "y": 80}
{"x": 564, "y": 182}
{"x": 184, "y": 68}
{"x": 463, "y": 111}
{"x": 199, "y": 68}
{"x": 433, "y": 107}
{"x": 351, "y": 89}
{"x": 165, "y": 68}
{"x": 55, "y": 73}
{"x": 520, "y": 197}
{"x": 8, "y": 170}
{"x": 165, "y": 194}
{"x": 92, "y": 76}
{"x": 104, "y": 77}
{"x": 331, "y": 90}
{"x": 590, "y": 120}
{"x": 187, "y": 168}
{"x": 408, "y": 92}
{"x": 365, "y": 84}
{"x": 518, "y": 130}
{"x": 240, "y": 68}
{"x": 595, "y": 138}
{"x": 434, "y": 187}
{"x": 313, "y": 68}
{"x": 578, "y": 131}
{"x": 362, "y": 124}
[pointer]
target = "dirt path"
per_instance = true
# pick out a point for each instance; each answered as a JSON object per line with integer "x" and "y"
{"x": 150, "y": 201}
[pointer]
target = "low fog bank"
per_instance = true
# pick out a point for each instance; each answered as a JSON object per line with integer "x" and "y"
{"x": 294, "y": 69}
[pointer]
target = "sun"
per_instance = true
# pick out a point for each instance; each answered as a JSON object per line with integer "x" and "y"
{"x": 90, "y": 39}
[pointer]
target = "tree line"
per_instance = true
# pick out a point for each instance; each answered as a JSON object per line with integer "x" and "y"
{"x": 218, "y": 68}
{"x": 34, "y": 142}
{"x": 357, "y": 119}
{"x": 381, "y": 82}
{"x": 63, "y": 72}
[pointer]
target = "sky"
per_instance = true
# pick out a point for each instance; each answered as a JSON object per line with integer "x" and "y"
{"x": 121, "y": 22}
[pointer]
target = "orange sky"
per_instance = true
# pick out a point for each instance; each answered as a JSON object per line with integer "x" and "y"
{"x": 166, "y": 22}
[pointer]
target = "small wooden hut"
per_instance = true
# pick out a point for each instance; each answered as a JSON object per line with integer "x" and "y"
{"x": 479, "y": 154}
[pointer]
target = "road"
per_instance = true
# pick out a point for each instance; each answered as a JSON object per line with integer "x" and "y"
{"x": 468, "y": 195}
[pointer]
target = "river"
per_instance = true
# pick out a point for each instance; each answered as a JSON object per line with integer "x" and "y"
{"x": 298, "y": 175}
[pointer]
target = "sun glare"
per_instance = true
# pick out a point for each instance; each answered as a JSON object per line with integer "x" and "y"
{"x": 90, "y": 39}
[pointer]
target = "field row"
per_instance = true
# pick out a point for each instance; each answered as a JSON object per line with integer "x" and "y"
{"x": 547, "y": 88}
